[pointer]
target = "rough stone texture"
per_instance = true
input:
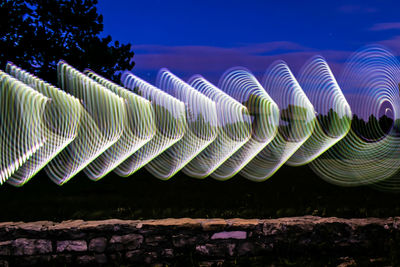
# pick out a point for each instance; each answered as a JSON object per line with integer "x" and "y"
{"x": 125, "y": 242}
{"x": 202, "y": 242}
{"x": 24, "y": 246}
{"x": 71, "y": 245}
{"x": 98, "y": 244}
{"x": 229, "y": 235}
{"x": 5, "y": 248}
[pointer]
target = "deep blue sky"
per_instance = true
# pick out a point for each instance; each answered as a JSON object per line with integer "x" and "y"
{"x": 208, "y": 37}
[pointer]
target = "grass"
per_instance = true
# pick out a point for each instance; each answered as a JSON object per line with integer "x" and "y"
{"x": 290, "y": 192}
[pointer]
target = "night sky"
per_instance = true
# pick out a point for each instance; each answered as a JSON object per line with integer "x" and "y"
{"x": 208, "y": 37}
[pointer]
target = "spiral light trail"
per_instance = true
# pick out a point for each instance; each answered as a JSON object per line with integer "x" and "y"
{"x": 60, "y": 120}
{"x": 323, "y": 91}
{"x": 296, "y": 122}
{"x": 200, "y": 127}
{"x": 170, "y": 122}
{"x": 346, "y": 129}
{"x": 240, "y": 84}
{"x": 139, "y": 128}
{"x": 360, "y": 158}
{"x": 233, "y": 130}
{"x": 100, "y": 125}
{"x": 21, "y": 131}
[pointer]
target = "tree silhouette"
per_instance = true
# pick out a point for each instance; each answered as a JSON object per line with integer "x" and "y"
{"x": 294, "y": 123}
{"x": 36, "y": 34}
{"x": 374, "y": 129}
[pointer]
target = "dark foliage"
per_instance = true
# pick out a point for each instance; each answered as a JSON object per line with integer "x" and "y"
{"x": 292, "y": 191}
{"x": 374, "y": 129}
{"x": 36, "y": 34}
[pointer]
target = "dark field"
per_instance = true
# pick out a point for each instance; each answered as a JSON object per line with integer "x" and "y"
{"x": 290, "y": 192}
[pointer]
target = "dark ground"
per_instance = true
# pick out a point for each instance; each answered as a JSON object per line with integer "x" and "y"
{"x": 290, "y": 192}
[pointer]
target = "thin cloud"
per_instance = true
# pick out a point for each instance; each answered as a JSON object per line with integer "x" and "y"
{"x": 259, "y": 48}
{"x": 351, "y": 9}
{"x": 271, "y": 47}
{"x": 386, "y": 26}
{"x": 212, "y": 62}
{"x": 392, "y": 43}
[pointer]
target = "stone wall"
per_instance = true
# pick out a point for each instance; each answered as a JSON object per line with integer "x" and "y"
{"x": 202, "y": 242}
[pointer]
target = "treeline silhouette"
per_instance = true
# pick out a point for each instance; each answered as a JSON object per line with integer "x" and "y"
{"x": 36, "y": 34}
{"x": 295, "y": 121}
{"x": 374, "y": 129}
{"x": 371, "y": 130}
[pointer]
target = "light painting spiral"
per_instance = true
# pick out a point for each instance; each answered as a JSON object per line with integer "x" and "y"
{"x": 234, "y": 130}
{"x": 139, "y": 128}
{"x": 60, "y": 120}
{"x": 240, "y": 84}
{"x": 347, "y": 129}
{"x": 170, "y": 122}
{"x": 296, "y": 122}
{"x": 367, "y": 154}
{"x": 200, "y": 128}
{"x": 332, "y": 111}
{"x": 100, "y": 124}
{"x": 21, "y": 129}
